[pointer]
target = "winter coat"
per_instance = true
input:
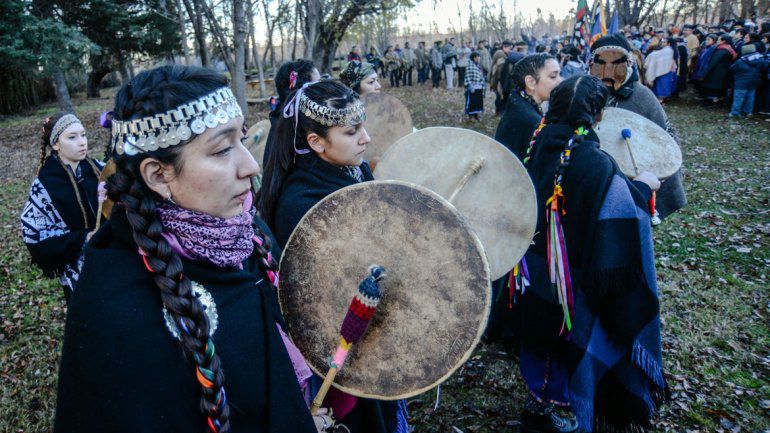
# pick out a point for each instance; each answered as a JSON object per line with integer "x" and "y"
{"x": 717, "y": 71}
{"x": 747, "y": 71}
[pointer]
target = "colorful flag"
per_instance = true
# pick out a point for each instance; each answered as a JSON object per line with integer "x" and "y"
{"x": 614, "y": 24}
{"x": 599, "y": 28}
{"x": 579, "y": 38}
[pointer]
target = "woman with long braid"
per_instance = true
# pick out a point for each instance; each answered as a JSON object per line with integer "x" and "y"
{"x": 60, "y": 213}
{"x": 175, "y": 326}
{"x": 590, "y": 317}
{"x": 319, "y": 149}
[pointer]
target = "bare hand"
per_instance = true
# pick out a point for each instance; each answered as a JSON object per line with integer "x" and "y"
{"x": 650, "y": 179}
{"x": 323, "y": 420}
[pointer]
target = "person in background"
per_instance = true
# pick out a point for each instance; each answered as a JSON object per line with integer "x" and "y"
{"x": 485, "y": 58}
{"x": 354, "y": 54}
{"x": 436, "y": 64}
{"x": 475, "y": 86}
{"x": 463, "y": 58}
{"x": 716, "y": 75}
{"x": 60, "y": 214}
{"x": 422, "y": 61}
{"x": 407, "y": 64}
{"x": 571, "y": 63}
{"x": 747, "y": 72}
{"x": 450, "y": 62}
{"x": 494, "y": 75}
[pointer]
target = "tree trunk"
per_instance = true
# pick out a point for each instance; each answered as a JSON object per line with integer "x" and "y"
{"x": 60, "y": 86}
{"x": 261, "y": 72}
{"x": 196, "y": 18}
{"x": 100, "y": 66}
{"x": 183, "y": 32}
{"x": 238, "y": 72}
{"x": 311, "y": 27}
{"x": 250, "y": 60}
{"x": 296, "y": 30}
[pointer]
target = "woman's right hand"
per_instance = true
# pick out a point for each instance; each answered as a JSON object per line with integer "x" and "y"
{"x": 650, "y": 179}
{"x": 323, "y": 420}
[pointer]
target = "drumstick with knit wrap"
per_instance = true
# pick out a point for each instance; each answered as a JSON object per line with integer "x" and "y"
{"x": 354, "y": 326}
{"x": 654, "y": 218}
{"x": 101, "y": 196}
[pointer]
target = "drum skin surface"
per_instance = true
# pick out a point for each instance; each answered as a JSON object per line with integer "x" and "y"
{"x": 436, "y": 294}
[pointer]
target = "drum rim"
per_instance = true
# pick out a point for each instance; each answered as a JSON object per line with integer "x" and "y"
{"x": 487, "y": 301}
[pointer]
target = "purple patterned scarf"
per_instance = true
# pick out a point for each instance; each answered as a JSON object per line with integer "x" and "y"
{"x": 199, "y": 236}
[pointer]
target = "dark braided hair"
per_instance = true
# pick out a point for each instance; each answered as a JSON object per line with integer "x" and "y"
{"x": 281, "y": 159}
{"x": 152, "y": 92}
{"x": 304, "y": 70}
{"x": 45, "y": 137}
{"x": 529, "y": 65}
{"x": 577, "y": 101}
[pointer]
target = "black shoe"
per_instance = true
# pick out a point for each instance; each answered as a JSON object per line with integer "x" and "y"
{"x": 547, "y": 421}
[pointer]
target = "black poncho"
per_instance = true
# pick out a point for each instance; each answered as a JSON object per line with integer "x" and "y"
{"x": 123, "y": 371}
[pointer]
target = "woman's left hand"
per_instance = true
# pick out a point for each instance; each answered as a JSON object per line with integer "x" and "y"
{"x": 323, "y": 420}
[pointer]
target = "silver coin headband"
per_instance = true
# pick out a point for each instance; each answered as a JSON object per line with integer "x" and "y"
{"x": 328, "y": 116}
{"x": 175, "y": 126}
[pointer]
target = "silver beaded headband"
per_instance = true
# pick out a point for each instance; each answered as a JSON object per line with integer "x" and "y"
{"x": 328, "y": 116}
{"x": 175, "y": 126}
{"x": 61, "y": 125}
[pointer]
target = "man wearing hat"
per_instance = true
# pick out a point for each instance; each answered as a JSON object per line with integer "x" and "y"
{"x": 608, "y": 56}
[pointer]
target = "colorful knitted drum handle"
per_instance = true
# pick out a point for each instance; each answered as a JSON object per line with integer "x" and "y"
{"x": 353, "y": 327}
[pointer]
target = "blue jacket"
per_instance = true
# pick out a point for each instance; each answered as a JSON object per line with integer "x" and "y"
{"x": 748, "y": 70}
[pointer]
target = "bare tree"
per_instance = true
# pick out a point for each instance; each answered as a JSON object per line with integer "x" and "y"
{"x": 238, "y": 71}
{"x": 194, "y": 12}
{"x": 183, "y": 32}
{"x": 327, "y": 21}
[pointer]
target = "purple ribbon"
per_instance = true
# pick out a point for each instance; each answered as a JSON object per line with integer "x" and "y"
{"x": 106, "y": 119}
{"x": 292, "y": 110}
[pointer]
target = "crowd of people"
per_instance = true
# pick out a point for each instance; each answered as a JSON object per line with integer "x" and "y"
{"x": 727, "y": 64}
{"x": 188, "y": 255}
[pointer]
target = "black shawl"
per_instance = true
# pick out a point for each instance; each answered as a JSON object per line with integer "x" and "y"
{"x": 53, "y": 253}
{"x": 519, "y": 121}
{"x": 273, "y": 116}
{"x": 122, "y": 370}
{"x": 309, "y": 181}
{"x": 614, "y": 349}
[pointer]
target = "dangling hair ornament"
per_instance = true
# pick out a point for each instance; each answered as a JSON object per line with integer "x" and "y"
{"x": 291, "y": 109}
{"x": 292, "y": 80}
{"x": 556, "y": 245}
{"x": 531, "y": 148}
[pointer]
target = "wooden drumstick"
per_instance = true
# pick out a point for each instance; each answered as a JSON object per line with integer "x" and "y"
{"x": 654, "y": 218}
{"x": 353, "y": 327}
{"x": 474, "y": 168}
{"x": 101, "y": 197}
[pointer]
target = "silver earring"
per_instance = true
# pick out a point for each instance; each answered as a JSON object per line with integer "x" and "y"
{"x": 168, "y": 197}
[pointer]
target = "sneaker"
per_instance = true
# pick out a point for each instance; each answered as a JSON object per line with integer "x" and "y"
{"x": 543, "y": 418}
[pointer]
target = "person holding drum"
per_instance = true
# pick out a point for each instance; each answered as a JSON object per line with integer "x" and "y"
{"x": 613, "y": 63}
{"x": 590, "y": 318}
{"x": 361, "y": 77}
{"x": 175, "y": 325}
{"x": 60, "y": 213}
{"x": 319, "y": 149}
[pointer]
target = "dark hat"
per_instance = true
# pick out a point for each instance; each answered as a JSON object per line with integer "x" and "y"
{"x": 507, "y": 43}
{"x": 614, "y": 40}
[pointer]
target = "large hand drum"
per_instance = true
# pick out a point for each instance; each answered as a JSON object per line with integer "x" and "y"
{"x": 107, "y": 171}
{"x": 653, "y": 148}
{"x": 387, "y": 120}
{"x": 497, "y": 198}
{"x": 435, "y": 298}
{"x": 256, "y": 139}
